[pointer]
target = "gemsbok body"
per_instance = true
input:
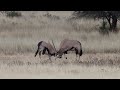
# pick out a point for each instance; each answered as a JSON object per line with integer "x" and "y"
{"x": 69, "y": 45}
{"x": 44, "y": 47}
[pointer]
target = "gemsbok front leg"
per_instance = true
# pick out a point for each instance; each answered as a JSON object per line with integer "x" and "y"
{"x": 40, "y": 54}
{"x": 65, "y": 54}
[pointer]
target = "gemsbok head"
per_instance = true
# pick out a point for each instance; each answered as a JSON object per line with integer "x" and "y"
{"x": 44, "y": 47}
{"x": 69, "y": 45}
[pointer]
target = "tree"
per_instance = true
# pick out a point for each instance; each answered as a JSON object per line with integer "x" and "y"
{"x": 110, "y": 16}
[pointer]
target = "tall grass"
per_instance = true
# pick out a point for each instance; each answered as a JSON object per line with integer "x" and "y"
{"x": 21, "y": 35}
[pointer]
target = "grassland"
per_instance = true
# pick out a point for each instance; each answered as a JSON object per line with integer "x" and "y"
{"x": 91, "y": 66}
{"x": 21, "y": 35}
{"x": 19, "y": 38}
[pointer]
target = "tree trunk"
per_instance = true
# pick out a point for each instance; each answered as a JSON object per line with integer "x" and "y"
{"x": 114, "y": 23}
{"x": 104, "y": 24}
{"x": 110, "y": 24}
{"x": 112, "y": 20}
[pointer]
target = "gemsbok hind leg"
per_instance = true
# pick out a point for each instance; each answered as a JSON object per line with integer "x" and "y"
{"x": 76, "y": 51}
{"x": 40, "y": 54}
{"x": 79, "y": 57}
{"x": 41, "y": 50}
{"x": 50, "y": 58}
{"x": 80, "y": 53}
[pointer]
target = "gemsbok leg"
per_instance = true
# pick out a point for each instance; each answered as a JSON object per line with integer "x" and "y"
{"x": 76, "y": 53}
{"x": 40, "y": 54}
{"x": 65, "y": 55}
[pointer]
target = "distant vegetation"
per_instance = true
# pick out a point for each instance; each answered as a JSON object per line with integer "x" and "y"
{"x": 19, "y": 38}
{"x": 54, "y": 17}
{"x": 12, "y": 13}
{"x": 108, "y": 17}
{"x": 21, "y": 35}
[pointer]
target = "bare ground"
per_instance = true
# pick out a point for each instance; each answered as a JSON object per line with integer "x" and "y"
{"x": 90, "y": 66}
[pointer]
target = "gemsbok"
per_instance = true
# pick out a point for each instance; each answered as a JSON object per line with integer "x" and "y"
{"x": 44, "y": 47}
{"x": 69, "y": 45}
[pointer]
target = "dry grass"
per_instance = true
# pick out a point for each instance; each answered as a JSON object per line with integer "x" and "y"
{"x": 86, "y": 60}
{"x": 19, "y": 38}
{"x": 21, "y": 35}
{"x": 90, "y": 66}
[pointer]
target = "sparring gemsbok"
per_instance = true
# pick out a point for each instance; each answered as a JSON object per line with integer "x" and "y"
{"x": 69, "y": 45}
{"x": 44, "y": 47}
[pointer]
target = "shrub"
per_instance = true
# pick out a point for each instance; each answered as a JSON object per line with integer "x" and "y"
{"x": 53, "y": 17}
{"x": 13, "y": 14}
{"x": 103, "y": 29}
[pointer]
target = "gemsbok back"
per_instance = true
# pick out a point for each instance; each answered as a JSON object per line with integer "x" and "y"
{"x": 69, "y": 45}
{"x": 44, "y": 48}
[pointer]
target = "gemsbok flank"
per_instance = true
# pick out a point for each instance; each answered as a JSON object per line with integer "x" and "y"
{"x": 69, "y": 45}
{"x": 43, "y": 47}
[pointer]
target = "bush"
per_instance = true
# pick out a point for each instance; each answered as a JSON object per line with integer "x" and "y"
{"x": 103, "y": 29}
{"x": 53, "y": 17}
{"x": 13, "y": 14}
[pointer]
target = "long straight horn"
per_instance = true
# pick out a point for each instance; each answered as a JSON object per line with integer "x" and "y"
{"x": 54, "y": 46}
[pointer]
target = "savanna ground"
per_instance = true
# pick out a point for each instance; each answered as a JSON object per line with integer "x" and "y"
{"x": 18, "y": 43}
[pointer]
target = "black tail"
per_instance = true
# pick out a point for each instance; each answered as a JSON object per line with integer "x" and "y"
{"x": 38, "y": 48}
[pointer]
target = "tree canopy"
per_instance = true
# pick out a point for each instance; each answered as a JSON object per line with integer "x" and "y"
{"x": 110, "y": 16}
